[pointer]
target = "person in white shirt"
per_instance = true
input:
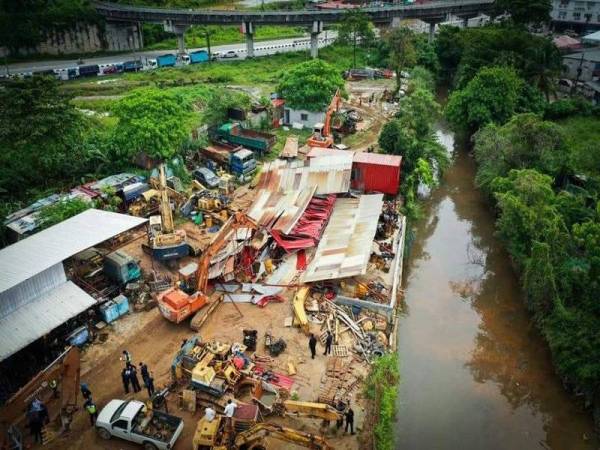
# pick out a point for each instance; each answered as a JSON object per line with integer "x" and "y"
{"x": 210, "y": 414}
{"x": 230, "y": 408}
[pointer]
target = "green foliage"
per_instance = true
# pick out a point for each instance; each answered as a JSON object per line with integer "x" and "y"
{"x": 356, "y": 29}
{"x": 583, "y": 135}
{"x": 464, "y": 52}
{"x": 567, "y": 107}
{"x": 525, "y": 11}
{"x": 381, "y": 388}
{"x": 494, "y": 95}
{"x": 219, "y": 101}
{"x": 64, "y": 209}
{"x": 310, "y": 85}
{"x": 402, "y": 56}
{"x": 25, "y": 23}
{"x": 152, "y": 121}
{"x": 426, "y": 54}
{"x": 41, "y": 136}
{"x": 411, "y": 135}
{"x": 526, "y": 141}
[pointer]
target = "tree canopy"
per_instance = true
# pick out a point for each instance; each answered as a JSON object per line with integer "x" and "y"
{"x": 493, "y": 95}
{"x": 310, "y": 85}
{"x": 152, "y": 121}
{"x": 41, "y": 136}
{"x": 402, "y": 53}
{"x": 355, "y": 29}
{"x": 525, "y": 11}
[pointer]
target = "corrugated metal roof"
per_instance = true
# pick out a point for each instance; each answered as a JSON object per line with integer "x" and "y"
{"x": 290, "y": 149}
{"x": 378, "y": 158}
{"x": 40, "y": 316}
{"x": 331, "y": 174}
{"x": 345, "y": 247}
{"x": 320, "y": 151}
{"x": 280, "y": 210}
{"x": 26, "y": 258}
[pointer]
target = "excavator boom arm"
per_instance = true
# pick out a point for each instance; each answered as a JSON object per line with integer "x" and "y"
{"x": 262, "y": 430}
{"x": 238, "y": 220}
{"x": 333, "y": 107}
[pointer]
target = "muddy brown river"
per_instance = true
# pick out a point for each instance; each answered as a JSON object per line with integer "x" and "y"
{"x": 475, "y": 372}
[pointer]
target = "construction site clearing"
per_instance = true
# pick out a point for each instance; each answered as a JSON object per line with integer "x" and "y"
{"x": 220, "y": 302}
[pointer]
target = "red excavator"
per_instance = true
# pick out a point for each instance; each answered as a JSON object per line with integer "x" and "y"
{"x": 174, "y": 304}
{"x": 322, "y": 135}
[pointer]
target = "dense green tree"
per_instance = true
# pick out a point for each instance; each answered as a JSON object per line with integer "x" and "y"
{"x": 449, "y": 50}
{"x": 64, "y": 209}
{"x": 153, "y": 121}
{"x": 356, "y": 30}
{"x": 543, "y": 66}
{"x": 426, "y": 54}
{"x": 41, "y": 136}
{"x": 401, "y": 42}
{"x": 528, "y": 213}
{"x": 219, "y": 101}
{"x": 494, "y": 95}
{"x": 525, "y": 11}
{"x": 310, "y": 85}
{"x": 419, "y": 111}
{"x": 525, "y": 142}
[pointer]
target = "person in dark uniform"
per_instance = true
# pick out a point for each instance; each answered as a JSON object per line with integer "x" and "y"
{"x": 92, "y": 410}
{"x": 135, "y": 382}
{"x": 328, "y": 342}
{"x": 126, "y": 377}
{"x": 349, "y": 420}
{"x": 312, "y": 344}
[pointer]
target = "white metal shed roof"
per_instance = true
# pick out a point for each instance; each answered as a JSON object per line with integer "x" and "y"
{"x": 40, "y": 316}
{"x": 26, "y": 258}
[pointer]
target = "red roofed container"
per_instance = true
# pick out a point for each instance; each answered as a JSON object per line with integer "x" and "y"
{"x": 375, "y": 172}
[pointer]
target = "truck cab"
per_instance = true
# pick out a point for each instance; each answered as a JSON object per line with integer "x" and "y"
{"x": 132, "y": 421}
{"x": 121, "y": 268}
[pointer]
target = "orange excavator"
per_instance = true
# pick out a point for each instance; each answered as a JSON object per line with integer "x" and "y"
{"x": 322, "y": 135}
{"x": 174, "y": 304}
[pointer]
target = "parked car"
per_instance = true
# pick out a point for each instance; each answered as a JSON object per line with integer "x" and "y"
{"x": 229, "y": 54}
{"x": 131, "y": 421}
{"x": 206, "y": 176}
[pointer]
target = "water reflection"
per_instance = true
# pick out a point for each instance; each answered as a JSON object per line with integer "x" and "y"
{"x": 475, "y": 373}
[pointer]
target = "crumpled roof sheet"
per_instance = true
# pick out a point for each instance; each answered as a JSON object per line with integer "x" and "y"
{"x": 280, "y": 210}
{"x": 330, "y": 174}
{"x": 345, "y": 247}
{"x": 309, "y": 228}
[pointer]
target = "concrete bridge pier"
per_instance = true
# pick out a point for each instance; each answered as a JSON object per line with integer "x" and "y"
{"x": 248, "y": 30}
{"x": 431, "y": 35}
{"x": 179, "y": 31}
{"x": 317, "y": 27}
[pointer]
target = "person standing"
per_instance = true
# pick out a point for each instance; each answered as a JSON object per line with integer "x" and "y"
{"x": 349, "y": 420}
{"x": 312, "y": 344}
{"x": 36, "y": 424}
{"x": 149, "y": 383}
{"x": 135, "y": 382}
{"x": 328, "y": 342}
{"x": 229, "y": 412}
{"x": 126, "y": 358}
{"x": 209, "y": 414}
{"x": 144, "y": 371}
{"x": 125, "y": 376}
{"x": 90, "y": 407}
{"x": 85, "y": 391}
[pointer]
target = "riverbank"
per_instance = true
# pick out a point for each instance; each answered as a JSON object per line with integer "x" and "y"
{"x": 475, "y": 372}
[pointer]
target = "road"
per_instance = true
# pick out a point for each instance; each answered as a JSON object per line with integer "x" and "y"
{"x": 261, "y": 48}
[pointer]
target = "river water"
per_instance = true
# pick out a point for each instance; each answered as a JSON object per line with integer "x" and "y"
{"x": 475, "y": 372}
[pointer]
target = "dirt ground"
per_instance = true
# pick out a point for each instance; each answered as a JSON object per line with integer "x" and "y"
{"x": 153, "y": 340}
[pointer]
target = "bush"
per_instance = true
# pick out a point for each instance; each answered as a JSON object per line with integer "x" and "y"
{"x": 561, "y": 109}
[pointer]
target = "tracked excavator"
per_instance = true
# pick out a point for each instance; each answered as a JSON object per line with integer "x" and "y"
{"x": 176, "y": 305}
{"x": 322, "y": 135}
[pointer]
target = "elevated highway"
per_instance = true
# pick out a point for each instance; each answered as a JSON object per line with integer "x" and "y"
{"x": 178, "y": 20}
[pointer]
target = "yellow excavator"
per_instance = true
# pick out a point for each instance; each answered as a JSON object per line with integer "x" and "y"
{"x": 214, "y": 435}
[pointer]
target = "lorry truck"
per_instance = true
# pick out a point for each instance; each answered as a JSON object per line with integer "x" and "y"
{"x": 242, "y": 164}
{"x": 132, "y": 421}
{"x": 234, "y": 133}
{"x": 196, "y": 57}
{"x": 168, "y": 60}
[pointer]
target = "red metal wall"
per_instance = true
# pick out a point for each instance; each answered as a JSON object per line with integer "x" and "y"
{"x": 374, "y": 177}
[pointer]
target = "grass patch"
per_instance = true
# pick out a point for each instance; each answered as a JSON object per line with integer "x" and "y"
{"x": 583, "y": 135}
{"x": 227, "y": 34}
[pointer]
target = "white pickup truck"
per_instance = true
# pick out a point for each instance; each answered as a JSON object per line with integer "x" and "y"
{"x": 130, "y": 420}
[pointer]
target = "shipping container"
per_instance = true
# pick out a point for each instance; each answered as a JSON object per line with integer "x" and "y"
{"x": 167, "y": 60}
{"x": 375, "y": 172}
{"x": 198, "y": 57}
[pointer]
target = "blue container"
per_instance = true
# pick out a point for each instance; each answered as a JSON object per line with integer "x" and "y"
{"x": 79, "y": 336}
{"x": 109, "y": 311}
{"x": 122, "y": 304}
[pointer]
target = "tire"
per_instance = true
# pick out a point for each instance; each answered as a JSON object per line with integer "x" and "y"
{"x": 149, "y": 446}
{"x": 104, "y": 434}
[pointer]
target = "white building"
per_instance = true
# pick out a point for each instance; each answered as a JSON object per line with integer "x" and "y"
{"x": 297, "y": 117}
{"x": 576, "y": 14}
